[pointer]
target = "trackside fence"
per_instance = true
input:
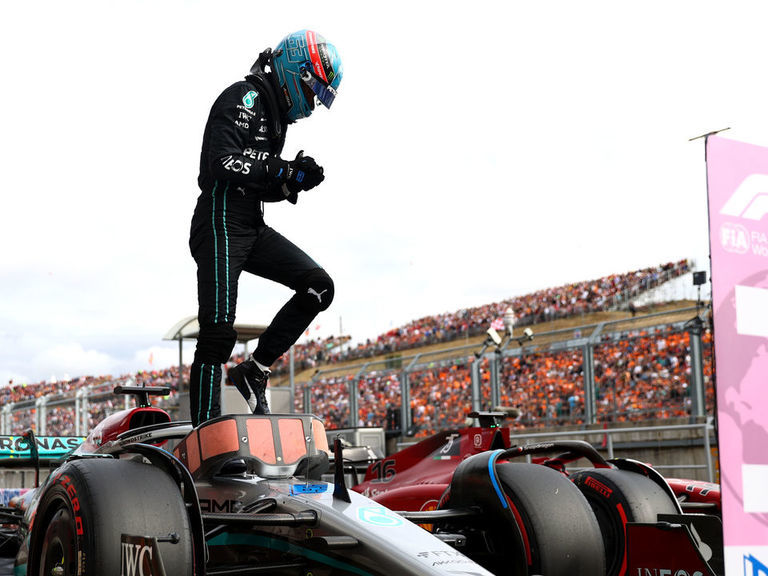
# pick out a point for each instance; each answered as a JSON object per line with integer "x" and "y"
{"x": 71, "y": 414}
{"x": 609, "y": 373}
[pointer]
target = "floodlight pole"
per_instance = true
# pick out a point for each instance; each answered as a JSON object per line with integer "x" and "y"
{"x": 475, "y": 376}
{"x": 696, "y": 324}
{"x": 695, "y": 328}
{"x": 181, "y": 364}
{"x": 292, "y": 382}
{"x": 590, "y": 404}
{"x": 495, "y": 369}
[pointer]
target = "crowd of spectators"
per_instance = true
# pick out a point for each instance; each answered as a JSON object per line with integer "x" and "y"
{"x": 646, "y": 374}
{"x": 544, "y": 387}
{"x": 60, "y": 396}
{"x": 310, "y": 354}
{"x": 637, "y": 374}
{"x": 579, "y": 298}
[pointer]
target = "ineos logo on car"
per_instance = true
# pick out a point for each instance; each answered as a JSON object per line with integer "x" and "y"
{"x": 665, "y": 572}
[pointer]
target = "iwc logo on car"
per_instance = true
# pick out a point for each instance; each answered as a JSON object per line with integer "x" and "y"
{"x": 250, "y": 99}
{"x": 139, "y": 556}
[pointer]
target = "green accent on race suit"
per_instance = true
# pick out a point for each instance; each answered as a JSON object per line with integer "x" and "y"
{"x": 215, "y": 251}
{"x": 200, "y": 395}
{"x": 226, "y": 249}
{"x": 228, "y": 539}
{"x": 210, "y": 396}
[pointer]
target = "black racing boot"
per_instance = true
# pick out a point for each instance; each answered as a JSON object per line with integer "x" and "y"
{"x": 251, "y": 382}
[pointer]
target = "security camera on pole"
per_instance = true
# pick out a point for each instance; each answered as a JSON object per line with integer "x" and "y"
{"x": 493, "y": 338}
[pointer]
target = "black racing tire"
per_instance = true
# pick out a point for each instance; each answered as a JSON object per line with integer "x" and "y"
{"x": 618, "y": 497}
{"x": 562, "y": 531}
{"x": 90, "y": 504}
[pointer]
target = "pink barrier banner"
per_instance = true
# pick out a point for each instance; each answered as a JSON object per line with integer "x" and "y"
{"x": 737, "y": 178}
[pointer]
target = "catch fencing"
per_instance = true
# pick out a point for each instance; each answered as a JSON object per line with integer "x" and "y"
{"x": 637, "y": 369}
{"x": 629, "y": 370}
{"x": 71, "y": 414}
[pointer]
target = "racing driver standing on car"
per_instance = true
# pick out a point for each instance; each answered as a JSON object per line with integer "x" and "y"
{"x": 241, "y": 168}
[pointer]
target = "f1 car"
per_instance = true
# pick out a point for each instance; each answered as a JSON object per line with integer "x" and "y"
{"x": 238, "y": 495}
{"x": 242, "y": 495}
{"x": 646, "y": 522}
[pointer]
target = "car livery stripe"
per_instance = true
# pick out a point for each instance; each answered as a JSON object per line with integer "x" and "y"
{"x": 494, "y": 479}
{"x": 270, "y": 543}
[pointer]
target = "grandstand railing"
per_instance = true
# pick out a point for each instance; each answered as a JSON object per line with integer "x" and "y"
{"x": 69, "y": 414}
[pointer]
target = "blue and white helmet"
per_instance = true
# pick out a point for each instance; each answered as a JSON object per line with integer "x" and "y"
{"x": 307, "y": 66}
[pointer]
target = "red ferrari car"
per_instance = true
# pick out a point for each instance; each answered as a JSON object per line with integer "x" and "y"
{"x": 646, "y": 524}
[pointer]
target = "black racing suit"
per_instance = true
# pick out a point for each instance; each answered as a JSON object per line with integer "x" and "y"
{"x": 228, "y": 235}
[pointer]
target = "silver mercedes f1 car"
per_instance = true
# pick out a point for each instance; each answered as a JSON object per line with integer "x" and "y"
{"x": 238, "y": 495}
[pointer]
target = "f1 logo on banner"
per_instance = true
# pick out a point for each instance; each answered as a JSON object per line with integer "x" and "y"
{"x": 753, "y": 567}
{"x": 750, "y": 199}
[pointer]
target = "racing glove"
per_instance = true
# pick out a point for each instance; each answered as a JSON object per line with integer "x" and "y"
{"x": 295, "y": 176}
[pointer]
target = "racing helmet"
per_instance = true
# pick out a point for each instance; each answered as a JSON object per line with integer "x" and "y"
{"x": 307, "y": 66}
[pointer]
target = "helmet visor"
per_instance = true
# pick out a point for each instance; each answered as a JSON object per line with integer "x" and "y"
{"x": 324, "y": 92}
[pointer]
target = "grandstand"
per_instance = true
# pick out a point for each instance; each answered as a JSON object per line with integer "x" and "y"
{"x": 573, "y": 373}
{"x": 640, "y": 370}
{"x": 613, "y": 292}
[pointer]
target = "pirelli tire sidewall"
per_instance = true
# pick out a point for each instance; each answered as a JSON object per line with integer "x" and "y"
{"x": 107, "y": 499}
{"x": 549, "y": 507}
{"x": 618, "y": 497}
{"x": 533, "y": 521}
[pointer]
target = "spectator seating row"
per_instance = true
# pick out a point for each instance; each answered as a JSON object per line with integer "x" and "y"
{"x": 642, "y": 374}
{"x": 616, "y": 290}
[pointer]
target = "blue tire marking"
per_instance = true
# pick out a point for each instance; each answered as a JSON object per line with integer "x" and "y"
{"x": 494, "y": 480}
